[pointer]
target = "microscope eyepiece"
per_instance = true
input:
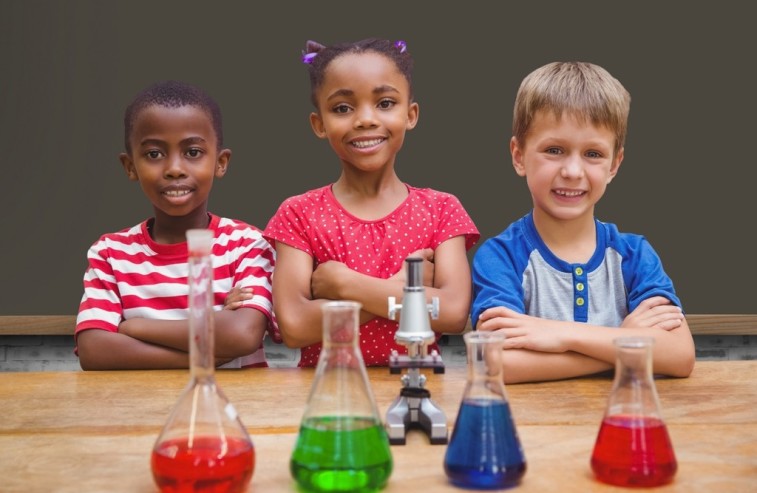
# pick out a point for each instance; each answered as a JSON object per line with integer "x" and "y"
{"x": 414, "y": 272}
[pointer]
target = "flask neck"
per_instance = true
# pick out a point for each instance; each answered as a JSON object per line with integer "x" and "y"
{"x": 341, "y": 320}
{"x": 484, "y": 350}
{"x": 340, "y": 335}
{"x": 201, "y": 333}
{"x": 633, "y": 390}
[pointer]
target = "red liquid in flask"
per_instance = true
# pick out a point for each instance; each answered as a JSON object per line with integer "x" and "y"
{"x": 633, "y": 451}
{"x": 208, "y": 466}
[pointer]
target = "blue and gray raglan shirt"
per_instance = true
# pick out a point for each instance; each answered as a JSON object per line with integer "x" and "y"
{"x": 516, "y": 269}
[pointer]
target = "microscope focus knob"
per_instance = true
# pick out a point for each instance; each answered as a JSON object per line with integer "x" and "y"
{"x": 393, "y": 307}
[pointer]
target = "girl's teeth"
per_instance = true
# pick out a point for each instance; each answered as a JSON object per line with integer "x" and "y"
{"x": 366, "y": 143}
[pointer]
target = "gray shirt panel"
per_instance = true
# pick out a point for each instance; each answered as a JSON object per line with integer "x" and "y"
{"x": 555, "y": 288}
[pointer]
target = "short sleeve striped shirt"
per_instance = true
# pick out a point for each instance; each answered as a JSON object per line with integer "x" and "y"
{"x": 129, "y": 275}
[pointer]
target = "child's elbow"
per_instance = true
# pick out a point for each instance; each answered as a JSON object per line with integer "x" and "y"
{"x": 85, "y": 362}
{"x": 291, "y": 328}
{"x": 290, "y": 338}
{"x": 93, "y": 362}
{"x": 246, "y": 342}
{"x": 686, "y": 367}
{"x": 91, "y": 355}
{"x": 682, "y": 368}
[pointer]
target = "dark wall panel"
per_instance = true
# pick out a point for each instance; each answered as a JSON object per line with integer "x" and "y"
{"x": 70, "y": 68}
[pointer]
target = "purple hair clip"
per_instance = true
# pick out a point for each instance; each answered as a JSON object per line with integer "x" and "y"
{"x": 311, "y": 50}
{"x": 401, "y": 45}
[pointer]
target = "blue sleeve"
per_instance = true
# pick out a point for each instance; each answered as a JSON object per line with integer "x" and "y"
{"x": 643, "y": 273}
{"x": 497, "y": 273}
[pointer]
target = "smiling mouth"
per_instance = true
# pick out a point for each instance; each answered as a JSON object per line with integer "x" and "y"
{"x": 569, "y": 193}
{"x": 364, "y": 144}
{"x": 177, "y": 193}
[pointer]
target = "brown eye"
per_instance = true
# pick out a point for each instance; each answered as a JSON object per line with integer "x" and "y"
{"x": 386, "y": 104}
{"x": 341, "y": 108}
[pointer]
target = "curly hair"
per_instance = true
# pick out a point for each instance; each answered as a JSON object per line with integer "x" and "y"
{"x": 173, "y": 94}
{"x": 318, "y": 57}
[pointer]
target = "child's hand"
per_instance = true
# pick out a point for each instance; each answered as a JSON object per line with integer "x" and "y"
{"x": 524, "y": 331}
{"x": 326, "y": 278}
{"x": 236, "y": 297}
{"x": 427, "y": 254}
{"x": 656, "y": 311}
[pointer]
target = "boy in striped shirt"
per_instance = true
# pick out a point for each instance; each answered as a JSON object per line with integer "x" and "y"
{"x": 133, "y": 314}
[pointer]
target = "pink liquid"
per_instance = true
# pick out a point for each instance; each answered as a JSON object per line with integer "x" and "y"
{"x": 633, "y": 452}
{"x": 208, "y": 467}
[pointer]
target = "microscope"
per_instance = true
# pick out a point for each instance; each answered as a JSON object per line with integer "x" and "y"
{"x": 414, "y": 407}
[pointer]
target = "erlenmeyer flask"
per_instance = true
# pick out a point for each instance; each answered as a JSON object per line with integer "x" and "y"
{"x": 203, "y": 446}
{"x": 342, "y": 445}
{"x": 633, "y": 447}
{"x": 484, "y": 451}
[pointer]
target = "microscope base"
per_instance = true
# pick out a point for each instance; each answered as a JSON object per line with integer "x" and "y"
{"x": 416, "y": 410}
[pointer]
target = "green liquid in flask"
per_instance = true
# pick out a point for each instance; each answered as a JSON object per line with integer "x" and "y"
{"x": 334, "y": 454}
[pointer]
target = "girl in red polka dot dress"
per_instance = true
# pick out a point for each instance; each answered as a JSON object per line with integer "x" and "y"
{"x": 348, "y": 240}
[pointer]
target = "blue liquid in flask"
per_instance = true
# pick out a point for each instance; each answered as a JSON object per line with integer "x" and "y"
{"x": 484, "y": 451}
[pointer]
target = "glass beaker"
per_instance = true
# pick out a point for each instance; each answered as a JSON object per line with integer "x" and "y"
{"x": 484, "y": 451}
{"x": 203, "y": 446}
{"x": 633, "y": 447}
{"x": 342, "y": 444}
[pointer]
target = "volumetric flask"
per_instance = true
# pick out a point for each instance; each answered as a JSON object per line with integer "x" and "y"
{"x": 342, "y": 445}
{"x": 203, "y": 446}
{"x": 633, "y": 447}
{"x": 484, "y": 451}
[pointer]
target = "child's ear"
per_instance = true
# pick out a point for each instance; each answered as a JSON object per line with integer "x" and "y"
{"x": 128, "y": 165}
{"x": 616, "y": 164}
{"x": 222, "y": 163}
{"x": 316, "y": 122}
{"x": 517, "y": 155}
{"x": 413, "y": 111}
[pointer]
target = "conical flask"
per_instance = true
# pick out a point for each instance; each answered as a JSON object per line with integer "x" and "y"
{"x": 633, "y": 447}
{"x": 203, "y": 446}
{"x": 342, "y": 445}
{"x": 484, "y": 451}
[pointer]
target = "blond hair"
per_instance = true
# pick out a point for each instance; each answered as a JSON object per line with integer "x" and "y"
{"x": 583, "y": 90}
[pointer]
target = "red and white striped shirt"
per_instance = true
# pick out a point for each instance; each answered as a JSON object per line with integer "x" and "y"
{"x": 129, "y": 275}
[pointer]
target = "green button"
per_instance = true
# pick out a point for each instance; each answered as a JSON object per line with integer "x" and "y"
{"x": 579, "y": 271}
{"x": 580, "y": 286}
{"x": 580, "y": 301}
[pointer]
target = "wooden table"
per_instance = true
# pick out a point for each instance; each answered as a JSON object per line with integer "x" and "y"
{"x": 93, "y": 431}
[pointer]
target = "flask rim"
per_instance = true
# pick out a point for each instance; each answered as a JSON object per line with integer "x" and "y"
{"x": 342, "y": 304}
{"x": 199, "y": 241}
{"x": 483, "y": 336}
{"x": 634, "y": 342}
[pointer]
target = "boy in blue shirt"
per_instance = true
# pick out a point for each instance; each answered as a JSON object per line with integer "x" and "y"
{"x": 560, "y": 284}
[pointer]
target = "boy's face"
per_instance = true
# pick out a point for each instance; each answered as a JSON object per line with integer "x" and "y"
{"x": 364, "y": 110}
{"x": 174, "y": 156}
{"x": 567, "y": 164}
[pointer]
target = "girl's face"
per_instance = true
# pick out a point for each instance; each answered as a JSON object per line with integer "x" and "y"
{"x": 364, "y": 110}
{"x": 567, "y": 163}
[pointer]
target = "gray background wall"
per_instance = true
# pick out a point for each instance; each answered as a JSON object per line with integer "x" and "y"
{"x": 69, "y": 68}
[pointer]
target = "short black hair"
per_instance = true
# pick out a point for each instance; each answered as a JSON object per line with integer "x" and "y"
{"x": 173, "y": 94}
{"x": 319, "y": 57}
